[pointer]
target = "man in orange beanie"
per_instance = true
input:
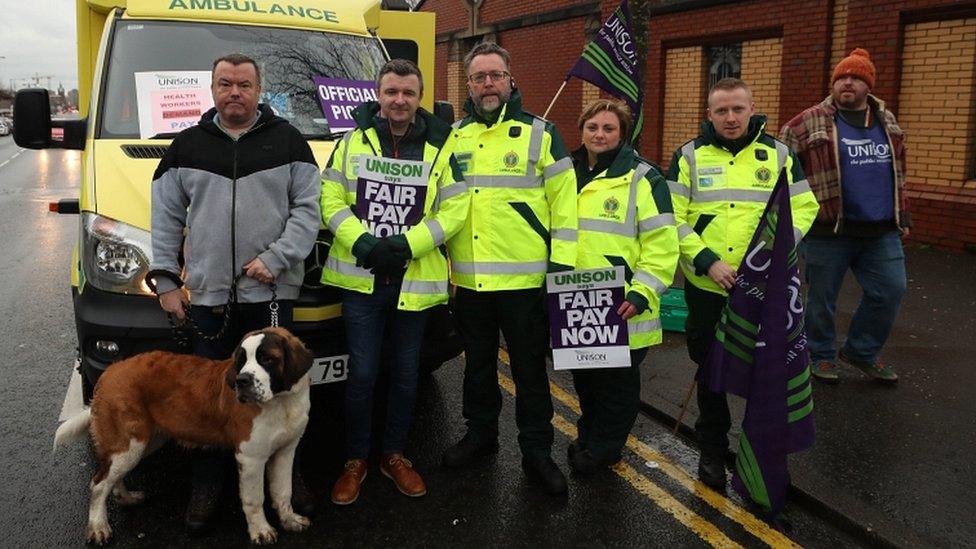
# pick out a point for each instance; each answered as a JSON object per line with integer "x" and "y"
{"x": 853, "y": 153}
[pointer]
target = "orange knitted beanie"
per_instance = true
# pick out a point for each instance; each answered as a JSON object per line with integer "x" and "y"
{"x": 857, "y": 64}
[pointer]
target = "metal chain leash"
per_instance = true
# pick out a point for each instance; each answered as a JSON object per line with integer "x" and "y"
{"x": 273, "y": 306}
{"x": 185, "y": 329}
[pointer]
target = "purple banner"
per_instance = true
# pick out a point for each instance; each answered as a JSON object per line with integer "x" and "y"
{"x": 760, "y": 354}
{"x": 339, "y": 97}
{"x": 610, "y": 62}
{"x": 585, "y": 329}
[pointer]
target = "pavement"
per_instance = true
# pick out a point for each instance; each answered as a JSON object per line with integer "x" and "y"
{"x": 894, "y": 460}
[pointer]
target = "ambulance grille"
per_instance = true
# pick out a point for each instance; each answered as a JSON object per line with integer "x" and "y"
{"x": 144, "y": 151}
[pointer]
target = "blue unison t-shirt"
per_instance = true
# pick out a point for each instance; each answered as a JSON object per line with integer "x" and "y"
{"x": 866, "y": 172}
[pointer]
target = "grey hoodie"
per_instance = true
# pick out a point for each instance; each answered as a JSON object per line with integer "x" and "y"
{"x": 257, "y": 196}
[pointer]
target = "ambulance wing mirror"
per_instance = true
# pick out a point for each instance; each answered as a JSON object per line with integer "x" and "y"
{"x": 34, "y": 129}
{"x": 32, "y": 119}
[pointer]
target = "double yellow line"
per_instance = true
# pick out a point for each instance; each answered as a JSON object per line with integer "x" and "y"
{"x": 707, "y": 531}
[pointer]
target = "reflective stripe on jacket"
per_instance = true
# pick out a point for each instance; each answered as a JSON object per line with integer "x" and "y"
{"x": 626, "y": 219}
{"x": 523, "y": 202}
{"x": 719, "y": 197}
{"x": 425, "y": 282}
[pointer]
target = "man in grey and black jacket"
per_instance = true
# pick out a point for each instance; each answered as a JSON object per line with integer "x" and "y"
{"x": 245, "y": 186}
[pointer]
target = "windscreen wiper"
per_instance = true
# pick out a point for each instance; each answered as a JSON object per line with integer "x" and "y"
{"x": 331, "y": 136}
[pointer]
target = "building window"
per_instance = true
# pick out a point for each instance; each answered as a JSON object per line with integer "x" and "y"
{"x": 723, "y": 62}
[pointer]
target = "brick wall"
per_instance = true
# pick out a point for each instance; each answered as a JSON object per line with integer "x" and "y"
{"x": 812, "y": 36}
{"x": 451, "y": 14}
{"x": 457, "y": 89}
{"x": 803, "y": 26}
{"x": 936, "y": 100}
{"x": 838, "y": 43}
{"x": 493, "y": 11}
{"x": 442, "y": 77}
{"x": 936, "y": 110}
{"x": 876, "y": 25}
{"x": 761, "y": 64}
{"x": 684, "y": 101}
{"x": 589, "y": 94}
{"x": 541, "y": 57}
{"x": 542, "y": 54}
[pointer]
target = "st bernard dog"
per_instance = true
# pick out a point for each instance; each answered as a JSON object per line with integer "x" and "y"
{"x": 255, "y": 403}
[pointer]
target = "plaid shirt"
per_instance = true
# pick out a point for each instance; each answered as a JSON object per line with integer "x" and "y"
{"x": 812, "y": 134}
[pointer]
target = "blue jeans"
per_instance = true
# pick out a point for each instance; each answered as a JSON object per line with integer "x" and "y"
{"x": 878, "y": 264}
{"x": 367, "y": 317}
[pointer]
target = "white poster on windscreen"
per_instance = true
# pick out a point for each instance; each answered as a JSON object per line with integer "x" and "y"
{"x": 171, "y": 101}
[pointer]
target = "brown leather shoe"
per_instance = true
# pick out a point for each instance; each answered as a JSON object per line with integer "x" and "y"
{"x": 401, "y": 472}
{"x": 346, "y": 489}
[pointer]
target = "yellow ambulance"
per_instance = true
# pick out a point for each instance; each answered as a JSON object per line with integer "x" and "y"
{"x": 143, "y": 69}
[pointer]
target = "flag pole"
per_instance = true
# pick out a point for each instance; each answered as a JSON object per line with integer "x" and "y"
{"x": 553, "y": 102}
{"x": 684, "y": 407}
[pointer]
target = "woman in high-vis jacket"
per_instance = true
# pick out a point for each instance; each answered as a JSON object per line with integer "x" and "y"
{"x": 625, "y": 219}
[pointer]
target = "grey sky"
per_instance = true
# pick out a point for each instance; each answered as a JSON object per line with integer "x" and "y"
{"x": 37, "y": 37}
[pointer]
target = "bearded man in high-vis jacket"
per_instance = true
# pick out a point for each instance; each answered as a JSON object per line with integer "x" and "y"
{"x": 720, "y": 183}
{"x": 522, "y": 224}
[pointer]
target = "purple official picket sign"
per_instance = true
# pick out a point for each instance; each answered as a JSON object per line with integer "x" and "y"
{"x": 339, "y": 97}
{"x": 584, "y": 327}
{"x": 390, "y": 194}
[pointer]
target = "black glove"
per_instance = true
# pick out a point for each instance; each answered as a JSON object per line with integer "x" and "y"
{"x": 362, "y": 248}
{"x": 381, "y": 259}
{"x": 400, "y": 247}
{"x": 638, "y": 301}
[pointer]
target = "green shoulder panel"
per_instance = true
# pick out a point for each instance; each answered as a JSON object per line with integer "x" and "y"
{"x": 674, "y": 167}
{"x": 796, "y": 169}
{"x": 767, "y": 140}
{"x": 556, "y": 146}
{"x": 659, "y": 187}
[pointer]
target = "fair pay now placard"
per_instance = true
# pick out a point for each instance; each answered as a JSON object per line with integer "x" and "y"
{"x": 390, "y": 194}
{"x": 585, "y": 329}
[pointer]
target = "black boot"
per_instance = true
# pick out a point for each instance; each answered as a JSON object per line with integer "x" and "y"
{"x": 584, "y": 463}
{"x": 711, "y": 470}
{"x": 208, "y": 483}
{"x": 542, "y": 470}
{"x": 468, "y": 449}
{"x": 302, "y": 500}
{"x": 574, "y": 447}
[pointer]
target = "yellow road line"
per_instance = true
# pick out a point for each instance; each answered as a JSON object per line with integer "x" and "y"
{"x": 707, "y": 531}
{"x": 722, "y": 504}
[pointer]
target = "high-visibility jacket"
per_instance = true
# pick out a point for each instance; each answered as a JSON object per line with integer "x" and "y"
{"x": 719, "y": 197}
{"x": 523, "y": 201}
{"x": 626, "y": 219}
{"x": 445, "y": 207}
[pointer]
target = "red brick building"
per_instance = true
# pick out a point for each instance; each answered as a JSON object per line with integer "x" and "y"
{"x": 924, "y": 51}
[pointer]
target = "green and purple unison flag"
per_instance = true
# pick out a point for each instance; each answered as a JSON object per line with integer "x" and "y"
{"x": 610, "y": 62}
{"x": 760, "y": 353}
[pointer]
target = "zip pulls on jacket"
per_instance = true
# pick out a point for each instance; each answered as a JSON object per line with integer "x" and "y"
{"x": 233, "y": 197}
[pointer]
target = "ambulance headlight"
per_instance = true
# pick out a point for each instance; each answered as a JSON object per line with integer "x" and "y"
{"x": 116, "y": 256}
